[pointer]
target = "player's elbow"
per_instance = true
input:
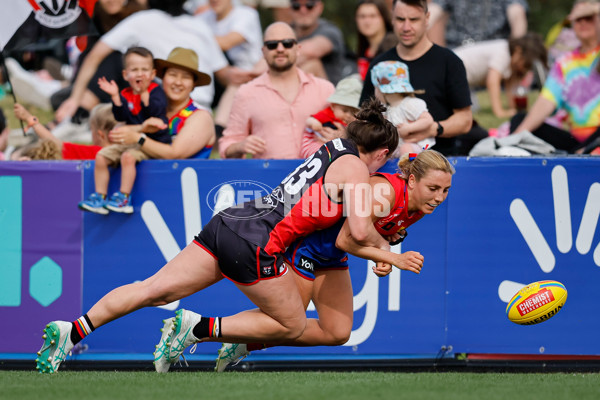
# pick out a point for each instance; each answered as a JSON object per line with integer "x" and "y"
{"x": 361, "y": 238}
{"x": 343, "y": 243}
{"x": 360, "y": 234}
{"x": 339, "y": 243}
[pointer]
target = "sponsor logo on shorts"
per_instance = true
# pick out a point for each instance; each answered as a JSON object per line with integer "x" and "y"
{"x": 267, "y": 271}
{"x": 307, "y": 264}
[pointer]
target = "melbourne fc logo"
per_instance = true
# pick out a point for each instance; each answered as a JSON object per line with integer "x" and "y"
{"x": 233, "y": 194}
{"x": 56, "y": 14}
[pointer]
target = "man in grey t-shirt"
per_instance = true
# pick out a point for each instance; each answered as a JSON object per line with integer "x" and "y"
{"x": 456, "y": 23}
{"x": 321, "y": 42}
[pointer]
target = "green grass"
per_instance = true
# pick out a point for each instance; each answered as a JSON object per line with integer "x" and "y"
{"x": 484, "y": 115}
{"x": 7, "y": 103}
{"x": 486, "y": 118}
{"x": 298, "y": 385}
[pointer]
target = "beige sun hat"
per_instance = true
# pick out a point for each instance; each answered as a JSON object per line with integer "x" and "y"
{"x": 347, "y": 92}
{"x": 185, "y": 59}
{"x": 584, "y": 8}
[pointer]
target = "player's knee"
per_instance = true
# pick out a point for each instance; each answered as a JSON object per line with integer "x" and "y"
{"x": 154, "y": 294}
{"x": 340, "y": 336}
{"x": 294, "y": 328}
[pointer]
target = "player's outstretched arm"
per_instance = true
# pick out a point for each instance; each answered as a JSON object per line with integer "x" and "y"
{"x": 409, "y": 261}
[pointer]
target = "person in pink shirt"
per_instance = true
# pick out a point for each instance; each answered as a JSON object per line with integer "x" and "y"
{"x": 269, "y": 113}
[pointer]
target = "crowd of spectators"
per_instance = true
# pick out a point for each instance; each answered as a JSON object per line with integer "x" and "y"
{"x": 265, "y": 82}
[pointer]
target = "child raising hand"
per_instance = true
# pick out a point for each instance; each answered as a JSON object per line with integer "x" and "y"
{"x": 143, "y": 99}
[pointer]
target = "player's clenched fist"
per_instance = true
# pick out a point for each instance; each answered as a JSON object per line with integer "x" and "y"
{"x": 410, "y": 261}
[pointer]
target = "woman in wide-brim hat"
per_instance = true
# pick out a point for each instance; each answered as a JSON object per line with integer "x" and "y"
{"x": 184, "y": 59}
{"x": 192, "y": 127}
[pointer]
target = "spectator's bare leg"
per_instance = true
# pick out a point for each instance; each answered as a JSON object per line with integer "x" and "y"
{"x": 128, "y": 172}
{"x": 101, "y": 174}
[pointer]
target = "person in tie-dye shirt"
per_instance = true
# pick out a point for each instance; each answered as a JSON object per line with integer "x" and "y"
{"x": 573, "y": 85}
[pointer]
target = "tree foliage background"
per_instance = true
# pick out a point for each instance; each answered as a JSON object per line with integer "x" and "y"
{"x": 543, "y": 14}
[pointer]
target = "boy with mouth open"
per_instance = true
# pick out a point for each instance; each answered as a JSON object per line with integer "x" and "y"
{"x": 143, "y": 99}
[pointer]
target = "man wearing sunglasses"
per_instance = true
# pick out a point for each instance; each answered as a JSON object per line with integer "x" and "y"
{"x": 269, "y": 113}
{"x": 322, "y": 42}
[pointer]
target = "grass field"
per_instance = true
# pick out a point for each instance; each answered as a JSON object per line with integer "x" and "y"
{"x": 298, "y": 385}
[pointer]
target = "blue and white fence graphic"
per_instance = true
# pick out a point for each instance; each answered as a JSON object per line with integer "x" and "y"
{"x": 506, "y": 223}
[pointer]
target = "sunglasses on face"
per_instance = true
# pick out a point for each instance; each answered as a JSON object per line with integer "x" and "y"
{"x": 309, "y": 5}
{"x": 273, "y": 44}
{"x": 587, "y": 18}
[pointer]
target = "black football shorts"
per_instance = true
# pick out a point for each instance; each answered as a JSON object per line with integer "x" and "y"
{"x": 239, "y": 260}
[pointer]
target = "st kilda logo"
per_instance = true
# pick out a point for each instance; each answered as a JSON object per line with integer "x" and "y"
{"x": 56, "y": 14}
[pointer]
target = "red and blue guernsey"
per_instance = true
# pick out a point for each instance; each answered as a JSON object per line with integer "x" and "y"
{"x": 319, "y": 247}
{"x": 399, "y": 218}
{"x": 298, "y": 206}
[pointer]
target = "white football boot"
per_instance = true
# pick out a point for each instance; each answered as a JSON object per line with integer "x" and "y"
{"x": 231, "y": 353}
{"x": 181, "y": 336}
{"x": 161, "y": 359}
{"x": 57, "y": 344}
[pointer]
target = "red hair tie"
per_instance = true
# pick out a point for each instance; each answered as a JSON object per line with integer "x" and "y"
{"x": 412, "y": 156}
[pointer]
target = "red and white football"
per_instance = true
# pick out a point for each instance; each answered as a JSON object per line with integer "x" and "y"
{"x": 536, "y": 302}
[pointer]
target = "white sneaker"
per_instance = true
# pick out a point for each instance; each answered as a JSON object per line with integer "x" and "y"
{"x": 57, "y": 344}
{"x": 181, "y": 335}
{"x": 28, "y": 87}
{"x": 231, "y": 353}
{"x": 161, "y": 360}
